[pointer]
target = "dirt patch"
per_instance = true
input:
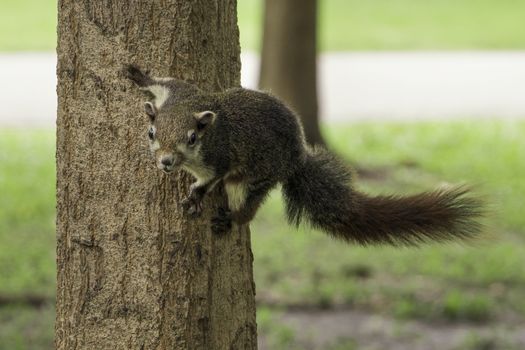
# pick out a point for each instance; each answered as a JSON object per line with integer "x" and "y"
{"x": 325, "y": 329}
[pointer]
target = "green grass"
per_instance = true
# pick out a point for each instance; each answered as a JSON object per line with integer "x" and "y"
{"x": 483, "y": 282}
{"x": 27, "y": 212}
{"x": 277, "y": 335}
{"x": 343, "y": 24}
{"x": 28, "y": 25}
{"x": 416, "y": 24}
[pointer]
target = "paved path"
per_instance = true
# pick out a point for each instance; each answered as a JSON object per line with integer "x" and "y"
{"x": 391, "y": 85}
{"x": 27, "y": 89}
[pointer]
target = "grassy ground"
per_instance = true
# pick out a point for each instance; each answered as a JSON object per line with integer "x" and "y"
{"x": 28, "y": 25}
{"x": 27, "y": 210}
{"x": 303, "y": 268}
{"x": 344, "y": 24}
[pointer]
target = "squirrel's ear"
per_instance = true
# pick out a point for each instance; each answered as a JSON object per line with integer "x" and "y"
{"x": 162, "y": 89}
{"x": 135, "y": 74}
{"x": 150, "y": 110}
{"x": 204, "y": 119}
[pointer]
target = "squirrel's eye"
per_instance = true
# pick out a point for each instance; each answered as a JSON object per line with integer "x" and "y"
{"x": 151, "y": 133}
{"x": 192, "y": 139}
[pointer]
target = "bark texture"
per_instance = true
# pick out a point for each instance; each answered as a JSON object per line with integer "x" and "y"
{"x": 288, "y": 62}
{"x": 133, "y": 272}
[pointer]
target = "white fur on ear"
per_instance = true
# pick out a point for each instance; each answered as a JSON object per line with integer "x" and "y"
{"x": 205, "y": 118}
{"x": 160, "y": 92}
{"x": 150, "y": 110}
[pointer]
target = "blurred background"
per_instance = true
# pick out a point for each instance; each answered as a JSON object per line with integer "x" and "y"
{"x": 413, "y": 93}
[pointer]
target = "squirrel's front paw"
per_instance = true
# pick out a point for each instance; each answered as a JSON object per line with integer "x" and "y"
{"x": 221, "y": 223}
{"x": 192, "y": 207}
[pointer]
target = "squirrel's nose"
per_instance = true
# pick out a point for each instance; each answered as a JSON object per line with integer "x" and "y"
{"x": 167, "y": 160}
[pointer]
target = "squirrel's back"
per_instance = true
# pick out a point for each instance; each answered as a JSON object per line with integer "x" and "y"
{"x": 265, "y": 136}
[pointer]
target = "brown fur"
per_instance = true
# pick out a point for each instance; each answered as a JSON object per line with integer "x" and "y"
{"x": 353, "y": 216}
{"x": 254, "y": 140}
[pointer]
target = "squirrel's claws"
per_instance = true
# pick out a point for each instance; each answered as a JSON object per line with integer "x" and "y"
{"x": 221, "y": 223}
{"x": 191, "y": 207}
{"x": 186, "y": 204}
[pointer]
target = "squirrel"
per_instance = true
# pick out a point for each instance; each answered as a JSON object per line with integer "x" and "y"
{"x": 250, "y": 141}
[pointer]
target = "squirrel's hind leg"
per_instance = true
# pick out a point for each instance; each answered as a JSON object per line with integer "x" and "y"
{"x": 254, "y": 194}
{"x": 243, "y": 200}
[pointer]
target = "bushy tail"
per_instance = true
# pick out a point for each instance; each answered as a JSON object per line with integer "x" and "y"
{"x": 321, "y": 191}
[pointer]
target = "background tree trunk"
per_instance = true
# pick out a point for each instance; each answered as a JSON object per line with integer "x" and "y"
{"x": 133, "y": 273}
{"x": 288, "y": 62}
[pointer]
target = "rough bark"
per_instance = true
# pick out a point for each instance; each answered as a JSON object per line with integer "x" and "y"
{"x": 288, "y": 62}
{"x": 133, "y": 272}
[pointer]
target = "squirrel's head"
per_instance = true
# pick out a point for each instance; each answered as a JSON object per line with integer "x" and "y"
{"x": 176, "y": 134}
{"x": 178, "y": 122}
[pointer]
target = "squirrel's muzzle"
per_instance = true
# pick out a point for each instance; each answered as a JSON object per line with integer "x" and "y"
{"x": 166, "y": 162}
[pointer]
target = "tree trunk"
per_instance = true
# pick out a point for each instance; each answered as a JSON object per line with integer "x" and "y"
{"x": 133, "y": 272}
{"x": 288, "y": 62}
